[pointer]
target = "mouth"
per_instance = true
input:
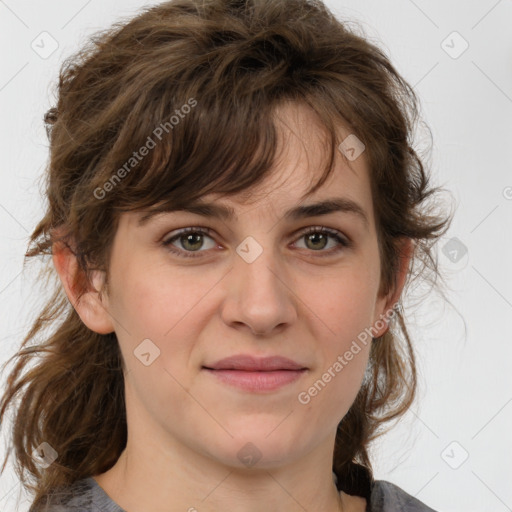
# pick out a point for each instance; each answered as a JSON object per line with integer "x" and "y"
{"x": 256, "y": 374}
{"x": 256, "y": 380}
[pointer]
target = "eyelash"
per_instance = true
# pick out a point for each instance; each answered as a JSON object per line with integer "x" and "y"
{"x": 344, "y": 242}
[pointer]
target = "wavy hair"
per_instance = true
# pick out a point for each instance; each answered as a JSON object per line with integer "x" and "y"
{"x": 202, "y": 79}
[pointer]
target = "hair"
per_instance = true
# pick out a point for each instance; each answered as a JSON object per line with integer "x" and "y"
{"x": 198, "y": 83}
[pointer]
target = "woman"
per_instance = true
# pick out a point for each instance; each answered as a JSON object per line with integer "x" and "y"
{"x": 234, "y": 211}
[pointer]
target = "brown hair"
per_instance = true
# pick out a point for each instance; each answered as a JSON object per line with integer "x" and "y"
{"x": 232, "y": 63}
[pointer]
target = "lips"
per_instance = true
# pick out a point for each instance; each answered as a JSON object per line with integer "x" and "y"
{"x": 254, "y": 364}
{"x": 256, "y": 375}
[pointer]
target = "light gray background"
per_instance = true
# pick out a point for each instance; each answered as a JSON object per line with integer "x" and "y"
{"x": 464, "y": 408}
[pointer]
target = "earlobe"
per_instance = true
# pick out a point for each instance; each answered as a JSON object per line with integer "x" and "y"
{"x": 85, "y": 298}
{"x": 405, "y": 256}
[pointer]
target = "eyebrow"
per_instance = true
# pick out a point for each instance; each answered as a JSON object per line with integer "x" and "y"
{"x": 325, "y": 207}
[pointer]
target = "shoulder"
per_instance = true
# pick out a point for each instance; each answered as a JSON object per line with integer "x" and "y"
{"x": 84, "y": 495}
{"x": 388, "y": 497}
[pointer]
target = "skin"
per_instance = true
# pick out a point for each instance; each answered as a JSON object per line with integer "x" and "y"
{"x": 185, "y": 428}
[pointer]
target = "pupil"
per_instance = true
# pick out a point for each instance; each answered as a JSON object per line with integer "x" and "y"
{"x": 314, "y": 236}
{"x": 191, "y": 237}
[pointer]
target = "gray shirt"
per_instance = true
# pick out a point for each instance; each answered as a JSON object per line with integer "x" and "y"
{"x": 86, "y": 495}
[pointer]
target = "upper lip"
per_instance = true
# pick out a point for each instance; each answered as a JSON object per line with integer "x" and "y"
{"x": 255, "y": 364}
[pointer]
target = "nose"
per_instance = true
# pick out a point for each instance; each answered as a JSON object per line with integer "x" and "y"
{"x": 259, "y": 296}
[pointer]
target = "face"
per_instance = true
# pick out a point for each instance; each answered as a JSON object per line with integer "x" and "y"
{"x": 259, "y": 285}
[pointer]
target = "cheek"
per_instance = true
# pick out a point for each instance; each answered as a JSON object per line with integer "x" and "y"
{"x": 156, "y": 319}
{"x": 329, "y": 394}
{"x": 171, "y": 310}
{"x": 343, "y": 304}
{"x": 343, "y": 307}
{"x": 151, "y": 300}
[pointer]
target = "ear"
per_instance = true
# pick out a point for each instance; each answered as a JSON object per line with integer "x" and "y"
{"x": 386, "y": 303}
{"x": 90, "y": 306}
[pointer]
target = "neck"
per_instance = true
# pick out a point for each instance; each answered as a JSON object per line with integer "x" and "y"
{"x": 199, "y": 484}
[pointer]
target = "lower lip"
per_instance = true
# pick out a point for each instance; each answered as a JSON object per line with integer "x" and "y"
{"x": 257, "y": 381}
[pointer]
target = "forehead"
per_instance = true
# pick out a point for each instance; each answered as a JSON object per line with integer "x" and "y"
{"x": 302, "y": 153}
{"x": 301, "y": 156}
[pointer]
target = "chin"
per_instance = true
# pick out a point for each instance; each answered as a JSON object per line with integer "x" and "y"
{"x": 260, "y": 448}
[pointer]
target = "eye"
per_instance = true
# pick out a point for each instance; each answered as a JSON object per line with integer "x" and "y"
{"x": 190, "y": 240}
{"x": 316, "y": 239}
